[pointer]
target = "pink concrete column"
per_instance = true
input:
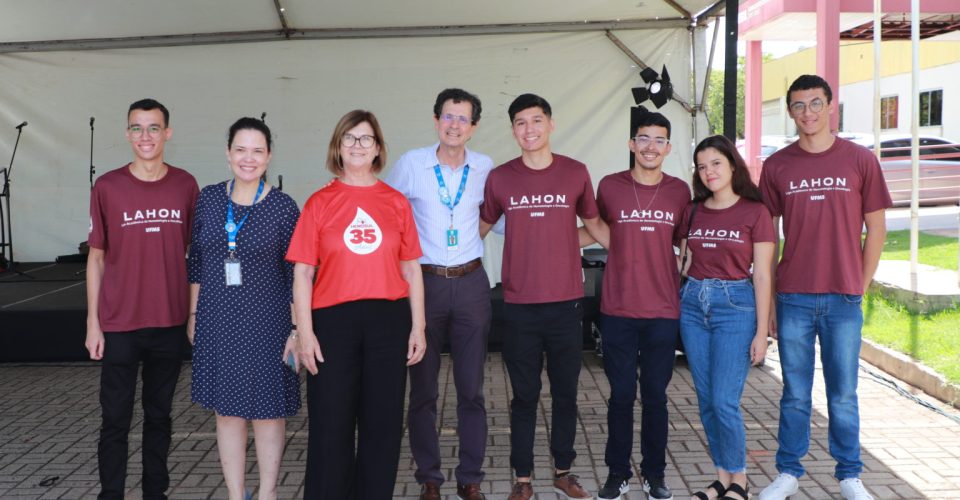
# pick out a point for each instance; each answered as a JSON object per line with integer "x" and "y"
{"x": 753, "y": 107}
{"x": 828, "y": 51}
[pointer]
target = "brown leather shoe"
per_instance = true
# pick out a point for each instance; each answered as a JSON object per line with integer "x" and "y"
{"x": 569, "y": 485}
{"x": 521, "y": 491}
{"x": 469, "y": 491}
{"x": 430, "y": 491}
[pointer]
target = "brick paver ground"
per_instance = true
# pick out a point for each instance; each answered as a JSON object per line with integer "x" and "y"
{"x": 50, "y": 416}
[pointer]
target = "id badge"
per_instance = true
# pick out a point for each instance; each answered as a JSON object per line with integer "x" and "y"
{"x": 231, "y": 267}
{"x": 453, "y": 239}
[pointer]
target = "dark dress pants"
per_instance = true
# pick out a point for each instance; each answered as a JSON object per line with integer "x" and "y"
{"x": 160, "y": 350}
{"x": 532, "y": 330}
{"x": 355, "y": 402}
{"x": 458, "y": 308}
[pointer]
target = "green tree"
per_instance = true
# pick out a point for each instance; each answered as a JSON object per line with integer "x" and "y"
{"x": 715, "y": 100}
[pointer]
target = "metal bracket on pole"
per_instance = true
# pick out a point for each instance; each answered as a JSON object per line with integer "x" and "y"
{"x": 281, "y": 14}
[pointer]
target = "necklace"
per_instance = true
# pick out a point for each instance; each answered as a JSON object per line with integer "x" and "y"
{"x": 636, "y": 196}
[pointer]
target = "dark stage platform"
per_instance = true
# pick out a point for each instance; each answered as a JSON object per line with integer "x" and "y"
{"x": 43, "y": 314}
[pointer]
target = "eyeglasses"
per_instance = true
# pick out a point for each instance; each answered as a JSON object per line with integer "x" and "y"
{"x": 350, "y": 140}
{"x": 136, "y": 131}
{"x": 448, "y": 118}
{"x": 815, "y": 106}
{"x": 643, "y": 141}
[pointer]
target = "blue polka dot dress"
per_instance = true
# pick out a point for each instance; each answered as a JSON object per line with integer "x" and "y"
{"x": 241, "y": 330}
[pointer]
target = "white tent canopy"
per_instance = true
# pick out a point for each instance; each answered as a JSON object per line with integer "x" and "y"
{"x": 65, "y": 62}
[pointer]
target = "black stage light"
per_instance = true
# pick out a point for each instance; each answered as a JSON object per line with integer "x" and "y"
{"x": 658, "y": 90}
{"x": 661, "y": 90}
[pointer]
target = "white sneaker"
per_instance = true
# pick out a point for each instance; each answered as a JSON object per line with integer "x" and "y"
{"x": 852, "y": 489}
{"x": 781, "y": 487}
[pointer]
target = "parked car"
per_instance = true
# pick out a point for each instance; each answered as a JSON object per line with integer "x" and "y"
{"x": 769, "y": 144}
{"x": 939, "y": 167}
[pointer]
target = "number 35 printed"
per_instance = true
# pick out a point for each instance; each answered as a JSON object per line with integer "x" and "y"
{"x": 363, "y": 236}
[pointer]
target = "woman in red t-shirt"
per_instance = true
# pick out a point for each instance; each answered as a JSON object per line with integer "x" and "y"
{"x": 360, "y": 323}
{"x": 723, "y": 322}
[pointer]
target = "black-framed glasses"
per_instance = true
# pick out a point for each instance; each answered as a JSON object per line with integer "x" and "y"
{"x": 136, "y": 131}
{"x": 815, "y": 106}
{"x": 365, "y": 141}
{"x": 643, "y": 141}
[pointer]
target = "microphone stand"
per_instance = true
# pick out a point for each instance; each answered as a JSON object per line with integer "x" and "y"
{"x": 6, "y": 226}
{"x": 93, "y": 170}
{"x": 263, "y": 118}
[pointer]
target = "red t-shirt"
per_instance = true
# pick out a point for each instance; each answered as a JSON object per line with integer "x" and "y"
{"x": 144, "y": 229}
{"x": 357, "y": 235}
{"x": 822, "y": 198}
{"x": 641, "y": 278}
{"x": 541, "y": 251}
{"x": 721, "y": 241}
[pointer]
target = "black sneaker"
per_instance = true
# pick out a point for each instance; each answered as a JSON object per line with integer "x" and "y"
{"x": 615, "y": 486}
{"x": 656, "y": 488}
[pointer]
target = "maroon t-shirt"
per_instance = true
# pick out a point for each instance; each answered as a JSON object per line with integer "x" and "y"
{"x": 143, "y": 229}
{"x": 822, "y": 198}
{"x": 641, "y": 278}
{"x": 721, "y": 241}
{"x": 541, "y": 251}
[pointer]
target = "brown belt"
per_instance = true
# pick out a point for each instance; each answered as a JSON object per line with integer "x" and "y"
{"x": 452, "y": 271}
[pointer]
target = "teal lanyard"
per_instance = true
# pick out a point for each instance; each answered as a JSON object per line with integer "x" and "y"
{"x": 445, "y": 193}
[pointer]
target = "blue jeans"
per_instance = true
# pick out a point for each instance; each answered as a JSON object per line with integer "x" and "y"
{"x": 836, "y": 319}
{"x": 718, "y": 321}
{"x": 655, "y": 340}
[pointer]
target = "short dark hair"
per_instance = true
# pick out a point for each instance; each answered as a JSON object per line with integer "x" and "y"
{"x": 247, "y": 123}
{"x": 808, "y": 82}
{"x": 458, "y": 96}
{"x": 652, "y": 119}
{"x": 148, "y": 105}
{"x": 741, "y": 182}
{"x": 347, "y": 122}
{"x": 526, "y": 101}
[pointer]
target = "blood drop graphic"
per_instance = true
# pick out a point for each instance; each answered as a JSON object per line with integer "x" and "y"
{"x": 363, "y": 235}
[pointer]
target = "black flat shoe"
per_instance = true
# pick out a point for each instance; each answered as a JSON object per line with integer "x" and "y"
{"x": 743, "y": 494}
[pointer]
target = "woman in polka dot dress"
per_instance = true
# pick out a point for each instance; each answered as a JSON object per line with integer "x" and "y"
{"x": 240, "y": 322}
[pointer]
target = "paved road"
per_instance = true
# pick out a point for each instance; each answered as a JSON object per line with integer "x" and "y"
{"x": 50, "y": 416}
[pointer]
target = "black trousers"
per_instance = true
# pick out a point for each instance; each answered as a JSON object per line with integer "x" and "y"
{"x": 160, "y": 350}
{"x": 355, "y": 402}
{"x": 533, "y": 330}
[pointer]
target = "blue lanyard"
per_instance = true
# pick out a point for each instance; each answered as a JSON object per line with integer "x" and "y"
{"x": 445, "y": 194}
{"x": 233, "y": 228}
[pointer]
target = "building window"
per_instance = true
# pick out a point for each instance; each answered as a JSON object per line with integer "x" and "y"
{"x": 931, "y": 107}
{"x": 888, "y": 112}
